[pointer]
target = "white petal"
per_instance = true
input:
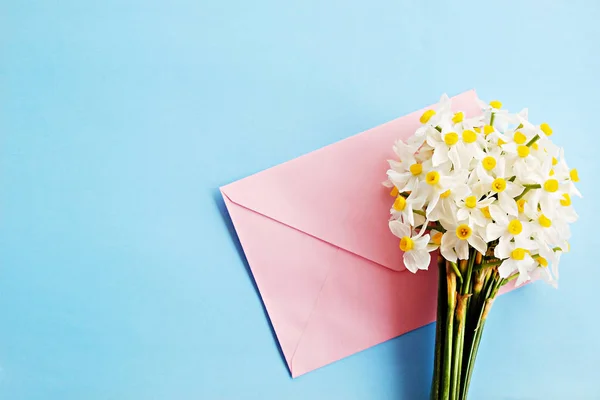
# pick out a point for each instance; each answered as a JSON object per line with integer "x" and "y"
{"x": 421, "y": 243}
{"x": 410, "y": 262}
{"x": 423, "y": 259}
{"x": 513, "y": 190}
{"x": 506, "y": 268}
{"x": 508, "y": 204}
{"x": 440, "y": 155}
{"x": 478, "y": 243}
{"x": 498, "y": 215}
{"x": 399, "y": 229}
{"x": 502, "y": 250}
{"x": 462, "y": 214}
{"x": 462, "y": 250}
{"x": 454, "y": 157}
{"x": 494, "y": 231}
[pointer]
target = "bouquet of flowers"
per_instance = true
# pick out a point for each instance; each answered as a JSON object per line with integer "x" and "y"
{"x": 493, "y": 194}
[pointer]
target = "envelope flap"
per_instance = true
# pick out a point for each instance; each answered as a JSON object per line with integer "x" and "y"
{"x": 335, "y": 193}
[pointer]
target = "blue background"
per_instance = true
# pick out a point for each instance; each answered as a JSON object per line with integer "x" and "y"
{"x": 120, "y": 277}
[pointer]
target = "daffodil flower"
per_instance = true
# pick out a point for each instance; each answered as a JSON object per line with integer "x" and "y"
{"x": 445, "y": 147}
{"x": 435, "y": 184}
{"x": 515, "y": 259}
{"x": 403, "y": 207}
{"x": 408, "y": 180}
{"x": 416, "y": 256}
{"x": 496, "y": 182}
{"x": 469, "y": 208}
{"x": 445, "y": 209}
{"x": 456, "y": 241}
{"x": 506, "y": 228}
{"x": 431, "y": 118}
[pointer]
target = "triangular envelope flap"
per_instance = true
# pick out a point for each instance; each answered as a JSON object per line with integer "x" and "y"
{"x": 335, "y": 193}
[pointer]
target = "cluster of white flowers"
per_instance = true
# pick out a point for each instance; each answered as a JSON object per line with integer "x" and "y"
{"x": 493, "y": 179}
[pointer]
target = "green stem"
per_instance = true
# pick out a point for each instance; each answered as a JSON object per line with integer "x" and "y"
{"x": 459, "y": 336}
{"x": 457, "y": 272}
{"x": 492, "y": 119}
{"x": 439, "y": 329}
{"x": 533, "y": 140}
{"x": 420, "y": 212}
{"x": 488, "y": 264}
{"x": 467, "y": 281}
{"x": 519, "y": 197}
{"x": 447, "y": 363}
{"x": 477, "y": 329}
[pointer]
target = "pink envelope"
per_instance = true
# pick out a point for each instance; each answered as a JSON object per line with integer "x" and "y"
{"x": 315, "y": 233}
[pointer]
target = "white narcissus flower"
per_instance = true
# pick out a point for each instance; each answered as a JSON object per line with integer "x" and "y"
{"x": 416, "y": 254}
{"x": 445, "y": 209}
{"x": 499, "y": 183}
{"x": 516, "y": 259}
{"x": 456, "y": 241}
{"x": 506, "y": 227}
{"x": 408, "y": 179}
{"x": 431, "y": 118}
{"x": 403, "y": 207}
{"x": 445, "y": 147}
{"x": 470, "y": 209}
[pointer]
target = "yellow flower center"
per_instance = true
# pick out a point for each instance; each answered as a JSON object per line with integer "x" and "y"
{"x": 486, "y": 212}
{"x": 463, "y": 231}
{"x": 542, "y": 261}
{"x": 451, "y": 138}
{"x": 432, "y": 177}
{"x": 416, "y": 169}
{"x": 566, "y": 200}
{"x": 458, "y": 117}
{"x": 554, "y": 161}
{"x": 574, "y": 175}
{"x": 394, "y": 192}
{"x": 406, "y": 244}
{"x": 426, "y": 116}
{"x": 535, "y": 146}
{"x": 519, "y": 137}
{"x": 477, "y": 129}
{"x": 499, "y": 185}
{"x": 437, "y": 238}
{"x": 551, "y": 185}
{"x": 501, "y": 142}
{"x": 518, "y": 254}
{"x": 445, "y": 194}
{"x": 489, "y": 163}
{"x": 521, "y": 205}
{"x": 546, "y": 129}
{"x": 551, "y": 173}
{"x": 399, "y": 203}
{"x": 488, "y": 129}
{"x": 469, "y": 136}
{"x": 471, "y": 201}
{"x": 523, "y": 151}
{"x": 544, "y": 221}
{"x": 515, "y": 227}
{"x": 496, "y": 104}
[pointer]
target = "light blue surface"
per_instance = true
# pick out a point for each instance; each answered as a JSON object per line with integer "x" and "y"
{"x": 119, "y": 277}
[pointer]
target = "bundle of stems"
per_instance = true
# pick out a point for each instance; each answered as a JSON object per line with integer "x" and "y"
{"x": 466, "y": 292}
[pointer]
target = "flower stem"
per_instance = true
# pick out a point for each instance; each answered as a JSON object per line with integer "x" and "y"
{"x": 439, "y": 329}
{"x": 533, "y": 140}
{"x": 457, "y": 272}
{"x": 447, "y": 363}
